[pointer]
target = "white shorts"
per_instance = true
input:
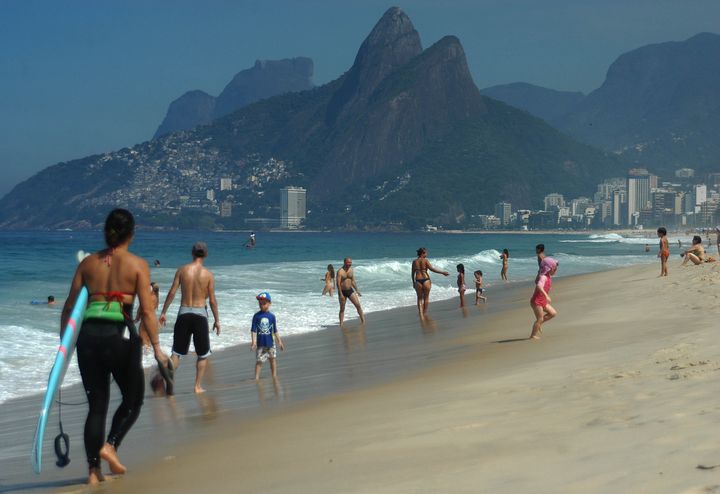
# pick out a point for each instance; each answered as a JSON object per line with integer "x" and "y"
{"x": 263, "y": 353}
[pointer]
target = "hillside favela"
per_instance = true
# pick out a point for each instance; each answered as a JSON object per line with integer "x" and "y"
{"x": 209, "y": 212}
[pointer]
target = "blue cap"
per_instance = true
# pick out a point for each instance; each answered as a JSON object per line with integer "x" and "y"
{"x": 264, "y": 296}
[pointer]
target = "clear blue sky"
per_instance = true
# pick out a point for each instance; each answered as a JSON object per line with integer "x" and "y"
{"x": 87, "y": 76}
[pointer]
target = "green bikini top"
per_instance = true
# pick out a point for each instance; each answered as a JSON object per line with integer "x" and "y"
{"x": 107, "y": 311}
{"x": 111, "y": 309}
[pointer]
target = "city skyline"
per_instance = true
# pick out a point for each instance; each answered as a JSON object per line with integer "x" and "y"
{"x": 92, "y": 79}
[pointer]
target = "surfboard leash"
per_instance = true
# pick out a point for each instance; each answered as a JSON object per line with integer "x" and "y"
{"x": 62, "y": 440}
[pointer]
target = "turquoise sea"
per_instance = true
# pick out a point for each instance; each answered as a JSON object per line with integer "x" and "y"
{"x": 289, "y": 265}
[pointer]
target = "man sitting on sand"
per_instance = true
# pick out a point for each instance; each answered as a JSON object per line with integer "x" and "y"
{"x": 196, "y": 286}
{"x": 696, "y": 253}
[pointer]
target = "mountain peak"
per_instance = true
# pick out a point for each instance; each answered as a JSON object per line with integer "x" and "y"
{"x": 392, "y": 43}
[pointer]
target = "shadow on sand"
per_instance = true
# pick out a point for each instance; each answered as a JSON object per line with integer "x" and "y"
{"x": 512, "y": 340}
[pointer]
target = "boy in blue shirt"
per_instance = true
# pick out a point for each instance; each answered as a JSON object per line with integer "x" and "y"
{"x": 264, "y": 333}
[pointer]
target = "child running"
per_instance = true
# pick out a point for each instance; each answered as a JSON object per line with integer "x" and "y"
{"x": 264, "y": 333}
{"x": 664, "y": 252}
{"x": 461, "y": 283}
{"x": 540, "y": 301}
{"x": 479, "y": 287}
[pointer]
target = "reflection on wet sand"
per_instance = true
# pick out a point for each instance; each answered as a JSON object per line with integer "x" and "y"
{"x": 278, "y": 391}
{"x": 208, "y": 406}
{"x": 428, "y": 324}
{"x": 354, "y": 339}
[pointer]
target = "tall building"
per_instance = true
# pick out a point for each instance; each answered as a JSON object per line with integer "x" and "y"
{"x": 503, "y": 210}
{"x": 226, "y": 209}
{"x": 226, "y": 184}
{"x": 292, "y": 207}
{"x": 619, "y": 207}
{"x": 700, "y": 194}
{"x": 554, "y": 199}
{"x": 638, "y": 193}
{"x": 684, "y": 173}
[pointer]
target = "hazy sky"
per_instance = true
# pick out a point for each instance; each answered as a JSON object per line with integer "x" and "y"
{"x": 79, "y": 77}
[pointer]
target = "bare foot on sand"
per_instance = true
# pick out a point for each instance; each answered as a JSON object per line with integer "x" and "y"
{"x": 199, "y": 390}
{"x": 109, "y": 454}
{"x": 95, "y": 477}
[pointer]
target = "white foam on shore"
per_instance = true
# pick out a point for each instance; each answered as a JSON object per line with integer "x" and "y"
{"x": 295, "y": 286}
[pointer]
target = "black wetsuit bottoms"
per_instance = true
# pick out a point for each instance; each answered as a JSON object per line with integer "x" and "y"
{"x": 102, "y": 351}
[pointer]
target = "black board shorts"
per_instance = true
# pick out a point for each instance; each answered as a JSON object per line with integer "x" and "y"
{"x": 195, "y": 326}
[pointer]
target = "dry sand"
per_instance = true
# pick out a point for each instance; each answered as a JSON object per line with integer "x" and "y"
{"x": 621, "y": 395}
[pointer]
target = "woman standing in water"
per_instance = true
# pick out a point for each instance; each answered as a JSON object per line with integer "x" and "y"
{"x": 504, "y": 257}
{"x": 113, "y": 277}
{"x": 421, "y": 280}
{"x": 329, "y": 280}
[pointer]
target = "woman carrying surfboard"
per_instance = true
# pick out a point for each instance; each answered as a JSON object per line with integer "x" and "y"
{"x": 113, "y": 277}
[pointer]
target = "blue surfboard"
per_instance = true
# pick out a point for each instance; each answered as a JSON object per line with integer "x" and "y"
{"x": 57, "y": 373}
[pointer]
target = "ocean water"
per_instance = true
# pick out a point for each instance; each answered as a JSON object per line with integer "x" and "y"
{"x": 288, "y": 265}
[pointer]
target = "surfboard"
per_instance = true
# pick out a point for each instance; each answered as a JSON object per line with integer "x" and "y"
{"x": 57, "y": 373}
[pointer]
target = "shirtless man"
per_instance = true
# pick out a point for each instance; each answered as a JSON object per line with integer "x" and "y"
{"x": 421, "y": 280}
{"x": 347, "y": 289}
{"x": 196, "y": 286}
{"x": 696, "y": 252}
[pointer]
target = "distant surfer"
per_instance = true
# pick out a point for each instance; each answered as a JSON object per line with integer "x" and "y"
{"x": 421, "y": 280}
{"x": 50, "y": 301}
{"x": 348, "y": 290}
{"x": 112, "y": 276}
{"x": 157, "y": 263}
{"x": 197, "y": 285}
{"x": 251, "y": 241}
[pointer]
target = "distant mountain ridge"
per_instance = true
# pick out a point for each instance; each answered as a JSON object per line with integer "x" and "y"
{"x": 659, "y": 106}
{"x": 548, "y": 104}
{"x": 402, "y": 139}
{"x": 265, "y": 79}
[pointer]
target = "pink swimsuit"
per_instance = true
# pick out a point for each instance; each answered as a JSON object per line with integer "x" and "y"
{"x": 538, "y": 298}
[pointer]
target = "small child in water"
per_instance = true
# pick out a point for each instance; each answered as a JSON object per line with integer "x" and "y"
{"x": 264, "y": 333}
{"x": 461, "y": 283}
{"x": 479, "y": 287}
{"x": 664, "y": 251}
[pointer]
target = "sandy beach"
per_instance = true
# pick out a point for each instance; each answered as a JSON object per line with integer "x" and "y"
{"x": 620, "y": 395}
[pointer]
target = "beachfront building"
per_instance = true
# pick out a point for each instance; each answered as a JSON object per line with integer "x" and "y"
{"x": 554, "y": 199}
{"x": 503, "y": 211}
{"x": 666, "y": 207}
{"x": 293, "y": 208}
{"x": 225, "y": 209}
{"x": 638, "y": 194}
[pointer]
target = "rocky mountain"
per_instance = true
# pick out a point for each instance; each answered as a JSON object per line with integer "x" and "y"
{"x": 548, "y": 104}
{"x": 659, "y": 106}
{"x": 403, "y": 138}
{"x": 265, "y": 79}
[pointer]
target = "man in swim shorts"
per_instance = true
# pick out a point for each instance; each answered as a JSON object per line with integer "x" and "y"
{"x": 197, "y": 285}
{"x": 348, "y": 290}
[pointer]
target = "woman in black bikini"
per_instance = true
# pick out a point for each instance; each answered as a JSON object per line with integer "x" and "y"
{"x": 112, "y": 277}
{"x": 421, "y": 280}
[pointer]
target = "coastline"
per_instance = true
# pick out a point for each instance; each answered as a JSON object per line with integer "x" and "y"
{"x": 467, "y": 402}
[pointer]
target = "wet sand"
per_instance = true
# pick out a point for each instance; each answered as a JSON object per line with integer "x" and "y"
{"x": 620, "y": 395}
